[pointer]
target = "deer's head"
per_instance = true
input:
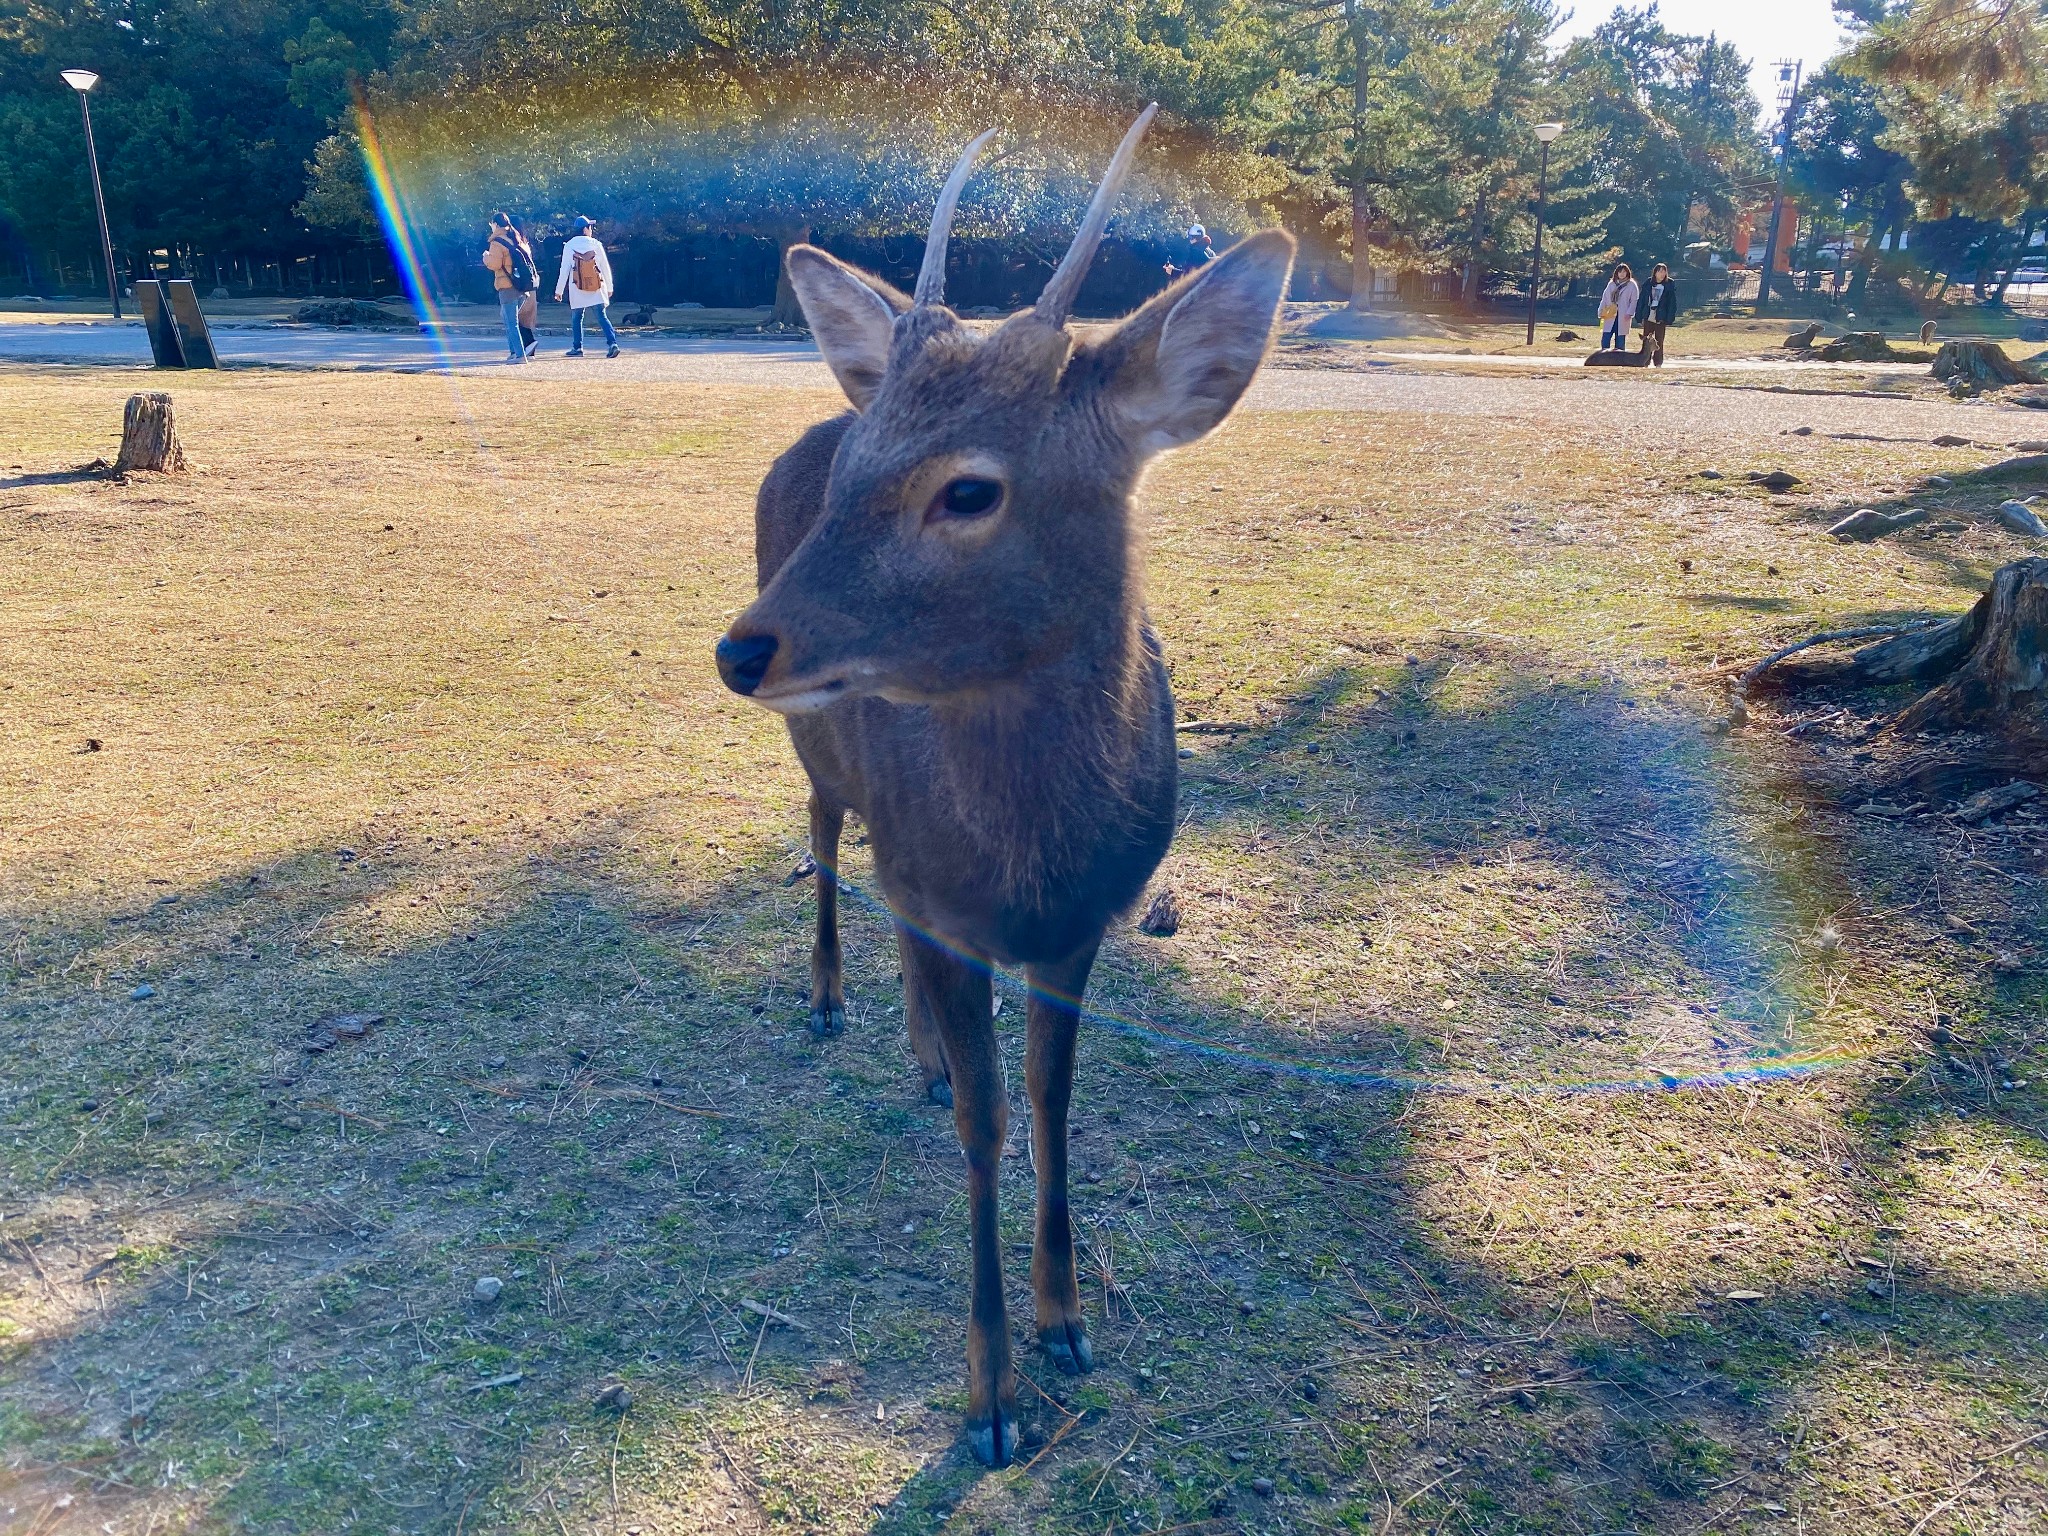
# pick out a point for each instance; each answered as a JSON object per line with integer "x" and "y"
{"x": 976, "y": 518}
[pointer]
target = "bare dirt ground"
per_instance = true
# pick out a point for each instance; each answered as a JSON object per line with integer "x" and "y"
{"x": 1564, "y": 1108}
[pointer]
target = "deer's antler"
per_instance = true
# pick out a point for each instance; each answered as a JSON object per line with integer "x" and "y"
{"x": 931, "y": 277}
{"x": 1057, "y": 302}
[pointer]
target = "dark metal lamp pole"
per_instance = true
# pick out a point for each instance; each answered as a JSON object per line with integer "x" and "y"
{"x": 82, "y": 81}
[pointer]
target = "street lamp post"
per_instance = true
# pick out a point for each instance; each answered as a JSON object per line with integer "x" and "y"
{"x": 82, "y": 81}
{"x": 1546, "y": 133}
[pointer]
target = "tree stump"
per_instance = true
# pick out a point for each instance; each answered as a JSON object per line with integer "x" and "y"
{"x": 1980, "y": 364}
{"x": 1989, "y": 665}
{"x": 149, "y": 440}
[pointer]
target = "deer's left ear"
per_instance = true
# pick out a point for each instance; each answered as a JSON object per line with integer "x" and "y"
{"x": 851, "y": 315}
{"x": 1175, "y": 369}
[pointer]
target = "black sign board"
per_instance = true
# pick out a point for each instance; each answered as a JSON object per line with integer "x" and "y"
{"x": 193, "y": 334}
{"x": 163, "y": 329}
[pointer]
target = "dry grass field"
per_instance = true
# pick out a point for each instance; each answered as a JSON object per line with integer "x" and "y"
{"x": 1560, "y": 1109}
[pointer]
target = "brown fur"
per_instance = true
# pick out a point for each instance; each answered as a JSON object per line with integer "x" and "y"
{"x": 986, "y": 693}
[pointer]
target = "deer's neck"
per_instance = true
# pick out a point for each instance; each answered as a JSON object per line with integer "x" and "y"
{"x": 1040, "y": 773}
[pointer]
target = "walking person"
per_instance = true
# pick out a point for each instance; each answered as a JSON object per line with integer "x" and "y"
{"x": 1660, "y": 308}
{"x": 1618, "y": 308}
{"x": 529, "y": 303}
{"x": 510, "y": 262}
{"x": 586, "y": 279}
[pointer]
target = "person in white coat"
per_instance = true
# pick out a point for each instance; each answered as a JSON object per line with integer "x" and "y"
{"x": 586, "y": 281}
{"x": 1618, "y": 308}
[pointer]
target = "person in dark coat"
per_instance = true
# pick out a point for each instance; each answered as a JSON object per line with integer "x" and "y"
{"x": 1660, "y": 308}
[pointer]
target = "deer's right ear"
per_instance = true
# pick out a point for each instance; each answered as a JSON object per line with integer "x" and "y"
{"x": 851, "y": 315}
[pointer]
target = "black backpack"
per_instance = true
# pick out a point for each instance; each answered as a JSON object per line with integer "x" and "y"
{"x": 524, "y": 278}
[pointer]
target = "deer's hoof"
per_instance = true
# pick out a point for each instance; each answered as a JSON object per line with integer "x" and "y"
{"x": 994, "y": 1442}
{"x": 829, "y": 1021}
{"x": 1068, "y": 1346}
{"x": 940, "y": 1092}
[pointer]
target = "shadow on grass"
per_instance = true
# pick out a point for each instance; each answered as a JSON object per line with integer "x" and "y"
{"x": 1491, "y": 1309}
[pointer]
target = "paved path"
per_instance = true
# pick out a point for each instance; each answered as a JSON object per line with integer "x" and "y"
{"x": 1626, "y": 400}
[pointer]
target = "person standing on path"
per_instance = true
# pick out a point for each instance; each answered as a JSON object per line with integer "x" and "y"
{"x": 509, "y": 260}
{"x": 586, "y": 279}
{"x": 1660, "y": 308}
{"x": 1618, "y": 308}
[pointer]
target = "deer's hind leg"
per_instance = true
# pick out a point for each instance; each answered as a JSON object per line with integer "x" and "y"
{"x": 1054, "y": 1019}
{"x": 828, "y": 987}
{"x": 924, "y": 1030}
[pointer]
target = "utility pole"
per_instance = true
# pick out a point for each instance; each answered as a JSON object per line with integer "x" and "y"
{"x": 1794, "y": 71}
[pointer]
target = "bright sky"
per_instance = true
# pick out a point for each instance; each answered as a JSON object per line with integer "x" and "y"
{"x": 1762, "y": 31}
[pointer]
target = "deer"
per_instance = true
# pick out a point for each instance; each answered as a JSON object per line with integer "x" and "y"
{"x": 950, "y": 616}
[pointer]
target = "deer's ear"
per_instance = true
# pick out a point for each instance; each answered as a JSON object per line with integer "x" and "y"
{"x": 850, "y": 314}
{"x": 1176, "y": 368}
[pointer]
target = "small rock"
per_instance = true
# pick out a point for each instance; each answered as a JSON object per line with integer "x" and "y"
{"x": 487, "y": 1288}
{"x": 142, "y": 994}
{"x": 614, "y": 1398}
{"x": 1310, "y": 1390}
{"x": 292, "y": 1122}
{"x": 1240, "y": 1457}
{"x": 1776, "y": 480}
{"x": 1568, "y": 335}
{"x": 1263, "y": 1487}
{"x": 1799, "y": 432}
{"x": 1746, "y": 1296}
{"x": 1246, "y": 1306}
{"x": 2031, "y": 445}
{"x": 87, "y": 1106}
{"x": 1186, "y": 752}
{"x": 1525, "y": 1398}
{"x": 1873, "y": 1288}
{"x": 1826, "y": 1316}
{"x": 1712, "y": 474}
{"x": 1162, "y": 915}
{"x": 2020, "y": 518}
{"x": 495, "y": 1064}
{"x": 1950, "y": 440}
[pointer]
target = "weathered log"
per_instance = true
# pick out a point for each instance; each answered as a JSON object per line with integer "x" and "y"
{"x": 1982, "y": 364}
{"x": 149, "y": 439}
{"x": 1858, "y": 347}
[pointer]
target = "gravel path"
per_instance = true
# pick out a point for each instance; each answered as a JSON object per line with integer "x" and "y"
{"x": 1634, "y": 404}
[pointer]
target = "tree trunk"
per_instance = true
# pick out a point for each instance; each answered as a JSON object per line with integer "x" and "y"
{"x": 787, "y": 310}
{"x": 1990, "y": 664}
{"x": 1879, "y": 228}
{"x": 2018, "y": 256}
{"x": 1361, "y": 197}
{"x": 1470, "y": 296}
{"x": 148, "y": 438}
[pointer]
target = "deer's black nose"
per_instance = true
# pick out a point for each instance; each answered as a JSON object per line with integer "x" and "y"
{"x": 743, "y": 660}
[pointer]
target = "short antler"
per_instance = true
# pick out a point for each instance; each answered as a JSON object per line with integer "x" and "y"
{"x": 931, "y": 277}
{"x": 1057, "y": 302}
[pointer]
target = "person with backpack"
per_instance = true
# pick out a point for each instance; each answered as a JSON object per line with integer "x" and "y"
{"x": 509, "y": 260}
{"x": 586, "y": 279}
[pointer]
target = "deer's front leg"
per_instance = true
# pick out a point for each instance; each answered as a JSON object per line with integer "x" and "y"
{"x": 1054, "y": 1020}
{"x": 957, "y": 993}
{"x": 828, "y": 988}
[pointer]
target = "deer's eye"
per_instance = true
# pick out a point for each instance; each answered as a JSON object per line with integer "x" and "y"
{"x": 968, "y": 496}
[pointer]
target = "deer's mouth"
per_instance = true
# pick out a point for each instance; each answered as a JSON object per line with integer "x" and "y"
{"x": 801, "y": 695}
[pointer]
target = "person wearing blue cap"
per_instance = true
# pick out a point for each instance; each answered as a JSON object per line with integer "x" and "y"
{"x": 586, "y": 280}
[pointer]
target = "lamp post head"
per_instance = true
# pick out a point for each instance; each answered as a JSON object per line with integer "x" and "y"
{"x": 1547, "y": 132}
{"x": 80, "y": 80}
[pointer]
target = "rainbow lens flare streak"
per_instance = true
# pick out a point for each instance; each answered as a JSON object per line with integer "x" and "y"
{"x": 388, "y": 196}
{"x": 1351, "y": 1074}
